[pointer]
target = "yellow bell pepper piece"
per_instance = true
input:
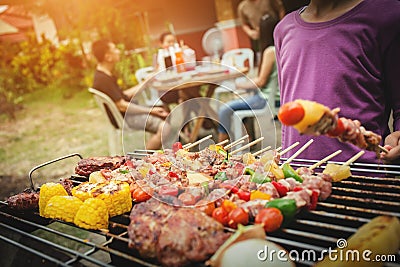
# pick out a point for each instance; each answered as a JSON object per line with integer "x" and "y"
{"x": 255, "y": 194}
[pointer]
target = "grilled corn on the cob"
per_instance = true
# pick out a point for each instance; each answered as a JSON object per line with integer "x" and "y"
{"x": 84, "y": 190}
{"x": 115, "y": 194}
{"x": 92, "y": 214}
{"x": 63, "y": 208}
{"x": 47, "y": 191}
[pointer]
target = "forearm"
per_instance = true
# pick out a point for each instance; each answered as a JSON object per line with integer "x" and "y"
{"x": 132, "y": 92}
{"x": 132, "y": 108}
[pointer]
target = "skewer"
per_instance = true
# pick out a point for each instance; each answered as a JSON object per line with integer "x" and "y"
{"x": 324, "y": 160}
{"x": 354, "y": 158}
{"x": 234, "y": 143}
{"x": 188, "y": 144}
{"x": 230, "y": 145}
{"x": 289, "y": 148}
{"x": 222, "y": 142}
{"x": 262, "y": 151}
{"x": 198, "y": 142}
{"x": 278, "y": 149}
{"x": 301, "y": 149}
{"x": 383, "y": 149}
{"x": 248, "y": 145}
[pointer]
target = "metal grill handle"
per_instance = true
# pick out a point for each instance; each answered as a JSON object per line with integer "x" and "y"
{"x": 48, "y": 163}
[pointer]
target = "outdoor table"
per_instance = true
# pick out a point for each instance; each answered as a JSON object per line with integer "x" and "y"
{"x": 212, "y": 76}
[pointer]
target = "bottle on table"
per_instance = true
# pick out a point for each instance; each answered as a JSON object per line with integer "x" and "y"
{"x": 167, "y": 58}
{"x": 179, "y": 61}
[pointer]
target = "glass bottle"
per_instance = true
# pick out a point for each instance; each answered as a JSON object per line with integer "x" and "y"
{"x": 179, "y": 61}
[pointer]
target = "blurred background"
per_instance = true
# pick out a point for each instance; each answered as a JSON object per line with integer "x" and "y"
{"x": 46, "y": 68}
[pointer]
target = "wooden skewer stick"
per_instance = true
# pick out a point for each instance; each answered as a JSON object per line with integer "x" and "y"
{"x": 301, "y": 149}
{"x": 289, "y": 148}
{"x": 199, "y": 141}
{"x": 278, "y": 149}
{"x": 324, "y": 160}
{"x": 222, "y": 142}
{"x": 383, "y": 149}
{"x": 354, "y": 158}
{"x": 248, "y": 145}
{"x": 188, "y": 144}
{"x": 237, "y": 143}
{"x": 262, "y": 151}
{"x": 234, "y": 143}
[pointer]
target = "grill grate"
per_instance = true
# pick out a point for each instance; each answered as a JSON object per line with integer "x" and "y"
{"x": 352, "y": 203}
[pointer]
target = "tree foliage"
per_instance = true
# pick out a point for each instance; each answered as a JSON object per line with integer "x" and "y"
{"x": 30, "y": 64}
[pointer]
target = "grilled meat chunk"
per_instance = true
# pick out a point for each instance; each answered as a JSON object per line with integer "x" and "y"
{"x": 175, "y": 236}
{"x": 27, "y": 200}
{"x": 189, "y": 236}
{"x": 147, "y": 219}
{"x": 86, "y": 166}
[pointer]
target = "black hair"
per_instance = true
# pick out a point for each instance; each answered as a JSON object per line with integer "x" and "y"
{"x": 100, "y": 48}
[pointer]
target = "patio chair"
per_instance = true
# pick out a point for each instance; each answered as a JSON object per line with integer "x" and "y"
{"x": 240, "y": 57}
{"x": 115, "y": 121}
{"x": 265, "y": 122}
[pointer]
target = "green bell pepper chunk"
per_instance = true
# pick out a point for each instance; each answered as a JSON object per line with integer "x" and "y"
{"x": 288, "y": 171}
{"x": 206, "y": 188}
{"x": 224, "y": 153}
{"x": 287, "y": 207}
{"x": 123, "y": 171}
{"x": 259, "y": 178}
{"x": 248, "y": 171}
{"x": 221, "y": 176}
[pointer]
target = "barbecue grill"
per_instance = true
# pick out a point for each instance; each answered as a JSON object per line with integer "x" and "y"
{"x": 27, "y": 238}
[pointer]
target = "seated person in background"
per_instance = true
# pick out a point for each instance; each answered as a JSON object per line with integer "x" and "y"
{"x": 136, "y": 116}
{"x": 167, "y": 40}
{"x": 266, "y": 80}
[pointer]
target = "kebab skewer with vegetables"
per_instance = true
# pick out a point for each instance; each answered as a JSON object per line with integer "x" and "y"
{"x": 312, "y": 118}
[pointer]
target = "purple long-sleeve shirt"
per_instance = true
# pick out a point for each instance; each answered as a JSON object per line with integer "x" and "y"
{"x": 351, "y": 62}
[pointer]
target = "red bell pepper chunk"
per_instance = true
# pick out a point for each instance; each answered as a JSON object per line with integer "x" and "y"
{"x": 173, "y": 175}
{"x": 313, "y": 200}
{"x": 297, "y": 189}
{"x": 176, "y": 146}
{"x": 232, "y": 188}
{"x": 339, "y": 129}
{"x": 282, "y": 190}
{"x": 243, "y": 195}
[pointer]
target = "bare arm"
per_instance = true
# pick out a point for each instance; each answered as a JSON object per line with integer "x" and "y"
{"x": 132, "y": 108}
{"x": 266, "y": 68}
{"x": 131, "y": 92}
{"x": 253, "y": 34}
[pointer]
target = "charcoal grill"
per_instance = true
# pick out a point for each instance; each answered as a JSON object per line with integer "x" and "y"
{"x": 352, "y": 203}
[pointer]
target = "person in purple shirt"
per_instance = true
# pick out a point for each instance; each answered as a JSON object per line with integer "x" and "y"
{"x": 346, "y": 54}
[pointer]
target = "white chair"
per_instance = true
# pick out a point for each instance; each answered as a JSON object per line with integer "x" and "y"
{"x": 150, "y": 95}
{"x": 264, "y": 120}
{"x": 240, "y": 58}
{"x": 115, "y": 120}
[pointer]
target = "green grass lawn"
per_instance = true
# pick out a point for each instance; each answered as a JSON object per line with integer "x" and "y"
{"x": 49, "y": 126}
